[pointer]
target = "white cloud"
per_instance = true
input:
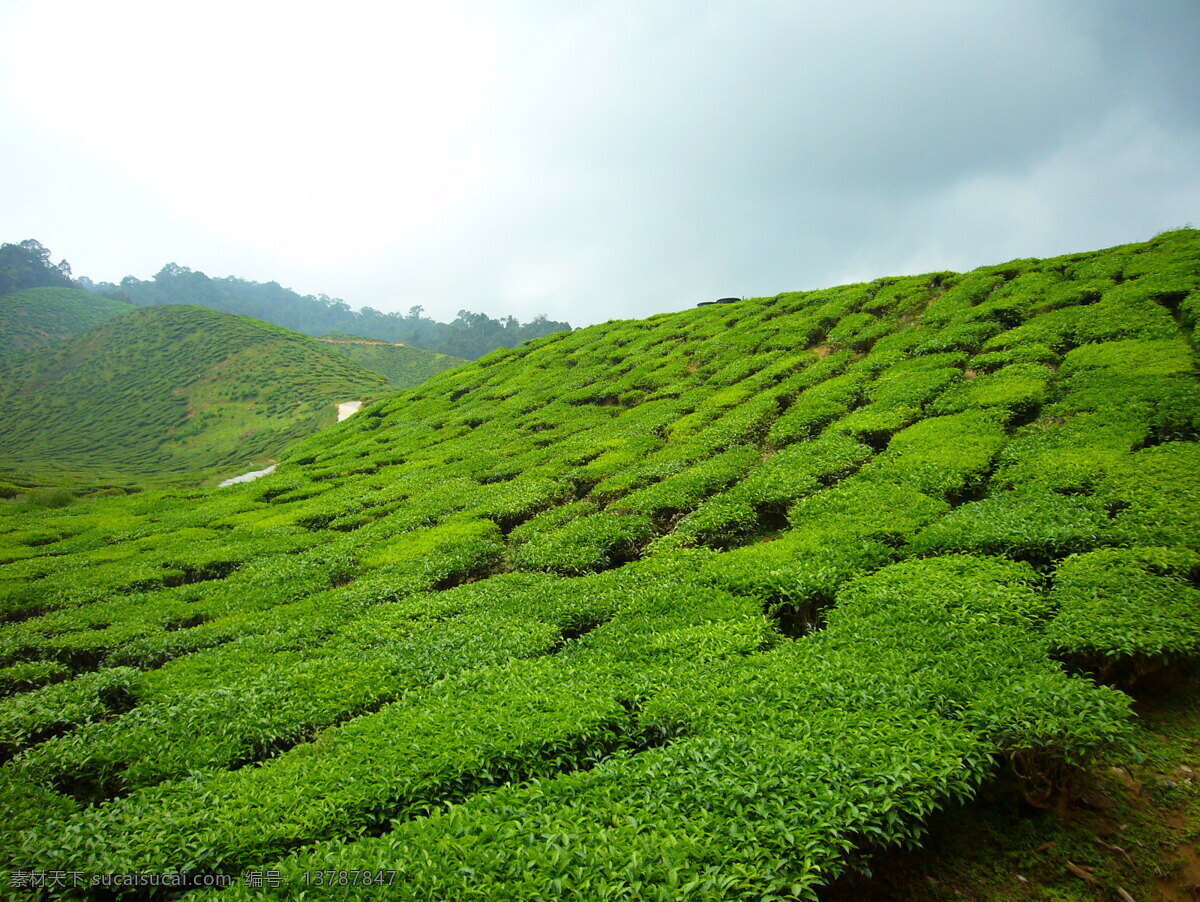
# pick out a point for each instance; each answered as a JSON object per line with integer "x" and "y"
{"x": 606, "y": 158}
{"x": 288, "y": 127}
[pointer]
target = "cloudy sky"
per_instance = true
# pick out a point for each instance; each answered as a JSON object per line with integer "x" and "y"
{"x": 591, "y": 160}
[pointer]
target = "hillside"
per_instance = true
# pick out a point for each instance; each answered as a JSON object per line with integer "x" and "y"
{"x": 36, "y": 317}
{"x": 169, "y": 391}
{"x": 711, "y": 605}
{"x": 469, "y": 335}
{"x": 404, "y": 366}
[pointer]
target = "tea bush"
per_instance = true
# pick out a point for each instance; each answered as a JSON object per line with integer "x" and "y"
{"x": 709, "y": 605}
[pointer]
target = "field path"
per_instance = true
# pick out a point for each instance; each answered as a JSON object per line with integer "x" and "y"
{"x": 348, "y": 408}
{"x": 247, "y": 477}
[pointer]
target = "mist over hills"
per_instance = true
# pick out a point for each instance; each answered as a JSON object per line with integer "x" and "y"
{"x": 469, "y": 336}
{"x": 27, "y": 264}
{"x": 108, "y": 407}
{"x": 717, "y": 604}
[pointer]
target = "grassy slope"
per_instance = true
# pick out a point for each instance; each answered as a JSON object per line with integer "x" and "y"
{"x": 170, "y": 390}
{"x": 404, "y": 366}
{"x": 37, "y": 317}
{"x": 707, "y": 606}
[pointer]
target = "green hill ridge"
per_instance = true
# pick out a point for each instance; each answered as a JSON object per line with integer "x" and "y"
{"x": 32, "y": 319}
{"x": 403, "y": 365}
{"x": 468, "y": 335}
{"x": 170, "y": 391}
{"x": 709, "y": 605}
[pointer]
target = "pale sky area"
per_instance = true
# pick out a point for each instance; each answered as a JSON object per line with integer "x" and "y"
{"x": 591, "y": 160}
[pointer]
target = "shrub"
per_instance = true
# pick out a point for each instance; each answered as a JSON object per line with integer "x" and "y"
{"x": 945, "y": 457}
{"x": 52, "y": 498}
{"x": 1028, "y": 526}
{"x": 1127, "y": 602}
{"x": 591, "y": 543}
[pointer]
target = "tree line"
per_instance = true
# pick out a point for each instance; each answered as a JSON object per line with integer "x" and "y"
{"x": 27, "y": 265}
{"x": 469, "y": 335}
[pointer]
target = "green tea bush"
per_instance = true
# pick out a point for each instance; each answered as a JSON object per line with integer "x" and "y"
{"x": 1017, "y": 391}
{"x": 798, "y": 470}
{"x": 31, "y": 675}
{"x": 863, "y": 508}
{"x": 945, "y": 457}
{"x": 33, "y": 716}
{"x": 590, "y": 543}
{"x": 1125, "y": 312}
{"x": 1155, "y": 494}
{"x": 1031, "y": 353}
{"x": 50, "y": 497}
{"x": 875, "y": 423}
{"x": 710, "y": 605}
{"x": 815, "y": 408}
{"x": 913, "y": 383}
{"x": 958, "y": 299}
{"x": 1127, "y": 602}
{"x": 283, "y": 698}
{"x": 720, "y": 523}
{"x": 685, "y": 490}
{"x": 1070, "y": 455}
{"x": 522, "y": 722}
{"x": 1054, "y": 329}
{"x": 1028, "y": 526}
{"x": 966, "y": 336}
{"x": 798, "y": 569}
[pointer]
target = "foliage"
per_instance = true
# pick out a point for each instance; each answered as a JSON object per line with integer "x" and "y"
{"x": 706, "y": 606}
{"x": 27, "y": 265}
{"x": 1119, "y": 602}
{"x": 170, "y": 390}
{"x": 403, "y": 366}
{"x": 37, "y": 318}
{"x": 470, "y": 335}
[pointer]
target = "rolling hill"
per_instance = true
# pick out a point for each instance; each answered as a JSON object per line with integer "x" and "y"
{"x": 404, "y": 366}
{"x": 169, "y": 391}
{"x": 469, "y": 335}
{"x": 32, "y": 319}
{"x": 713, "y": 605}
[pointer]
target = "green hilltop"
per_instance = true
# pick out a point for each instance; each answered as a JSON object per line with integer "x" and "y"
{"x": 712, "y": 605}
{"x": 404, "y": 366}
{"x": 167, "y": 392}
{"x": 32, "y": 319}
{"x": 468, "y": 335}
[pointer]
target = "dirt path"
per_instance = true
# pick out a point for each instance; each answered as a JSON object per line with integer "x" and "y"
{"x": 247, "y": 477}
{"x": 348, "y": 408}
{"x": 361, "y": 341}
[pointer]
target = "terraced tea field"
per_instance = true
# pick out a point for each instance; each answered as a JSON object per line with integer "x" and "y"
{"x": 705, "y": 606}
{"x": 403, "y": 366}
{"x": 167, "y": 392}
{"x": 37, "y": 318}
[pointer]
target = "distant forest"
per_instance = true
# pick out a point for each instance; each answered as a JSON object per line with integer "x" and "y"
{"x": 469, "y": 335}
{"x": 27, "y": 265}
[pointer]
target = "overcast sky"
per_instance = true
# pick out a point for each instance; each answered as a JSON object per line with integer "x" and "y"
{"x": 591, "y": 160}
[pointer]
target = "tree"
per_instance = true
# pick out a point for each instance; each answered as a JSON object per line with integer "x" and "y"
{"x": 27, "y": 265}
{"x": 470, "y": 335}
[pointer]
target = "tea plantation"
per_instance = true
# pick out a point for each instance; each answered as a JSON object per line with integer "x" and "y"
{"x": 706, "y": 606}
{"x": 164, "y": 391}
{"x": 404, "y": 366}
{"x": 35, "y": 318}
